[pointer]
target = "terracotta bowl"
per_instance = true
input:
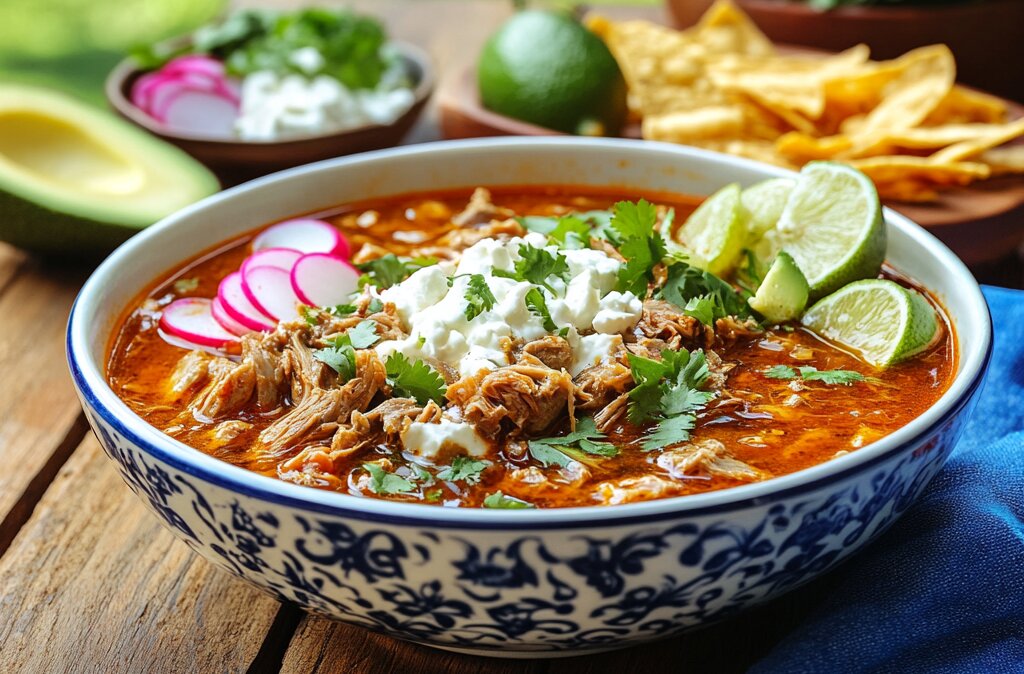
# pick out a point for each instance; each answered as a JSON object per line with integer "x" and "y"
{"x": 236, "y": 160}
{"x": 985, "y": 36}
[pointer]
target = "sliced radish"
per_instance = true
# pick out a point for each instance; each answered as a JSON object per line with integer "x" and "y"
{"x": 237, "y": 305}
{"x": 206, "y": 112}
{"x": 270, "y": 291}
{"x": 195, "y": 63}
{"x": 191, "y": 319}
{"x": 221, "y": 315}
{"x": 323, "y": 280}
{"x": 282, "y": 258}
{"x": 306, "y": 235}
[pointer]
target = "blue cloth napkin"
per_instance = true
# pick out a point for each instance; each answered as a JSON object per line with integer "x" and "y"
{"x": 943, "y": 589}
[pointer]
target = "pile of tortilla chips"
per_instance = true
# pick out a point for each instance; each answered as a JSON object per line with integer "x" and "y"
{"x": 721, "y": 85}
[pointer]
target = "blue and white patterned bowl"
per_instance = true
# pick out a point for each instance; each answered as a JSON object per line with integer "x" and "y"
{"x": 517, "y": 582}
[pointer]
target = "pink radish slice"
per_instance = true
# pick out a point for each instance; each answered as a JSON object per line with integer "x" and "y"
{"x": 237, "y": 305}
{"x": 304, "y": 234}
{"x": 283, "y": 258}
{"x": 191, "y": 319}
{"x": 270, "y": 290}
{"x": 221, "y": 315}
{"x": 195, "y": 63}
{"x": 323, "y": 280}
{"x": 200, "y": 111}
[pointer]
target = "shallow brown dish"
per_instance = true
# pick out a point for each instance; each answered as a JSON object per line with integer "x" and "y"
{"x": 236, "y": 160}
{"x": 981, "y": 223}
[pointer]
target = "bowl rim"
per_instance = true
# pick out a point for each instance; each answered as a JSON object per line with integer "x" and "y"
{"x": 97, "y": 395}
{"x": 128, "y": 67}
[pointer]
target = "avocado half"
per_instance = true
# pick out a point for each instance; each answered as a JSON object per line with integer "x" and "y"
{"x": 76, "y": 180}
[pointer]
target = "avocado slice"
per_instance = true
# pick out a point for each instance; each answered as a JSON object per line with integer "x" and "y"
{"x": 76, "y": 180}
{"x": 782, "y": 295}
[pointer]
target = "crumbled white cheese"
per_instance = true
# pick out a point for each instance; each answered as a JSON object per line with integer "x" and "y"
{"x": 427, "y": 440}
{"x": 276, "y": 105}
{"x": 435, "y": 315}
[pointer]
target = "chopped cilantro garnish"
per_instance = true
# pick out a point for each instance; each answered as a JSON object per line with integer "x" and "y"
{"x": 780, "y": 372}
{"x": 463, "y": 468}
{"x": 639, "y": 242}
{"x": 343, "y": 309}
{"x": 668, "y": 392}
{"x": 479, "y": 297}
{"x": 310, "y": 315}
{"x": 579, "y": 445}
{"x": 571, "y": 233}
{"x": 185, "y": 285}
{"x": 535, "y": 265}
{"x": 808, "y": 373}
{"x": 703, "y": 309}
{"x": 538, "y": 306}
{"x": 414, "y": 380}
{"x": 389, "y": 270}
{"x": 434, "y": 495}
{"x": 341, "y": 355}
{"x": 383, "y": 482}
{"x": 422, "y": 474}
{"x": 684, "y": 283}
{"x": 499, "y": 500}
{"x": 373, "y": 307}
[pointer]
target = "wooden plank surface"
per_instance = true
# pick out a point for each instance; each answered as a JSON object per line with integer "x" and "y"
{"x": 94, "y": 583}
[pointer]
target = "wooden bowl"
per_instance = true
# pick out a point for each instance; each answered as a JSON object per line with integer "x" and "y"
{"x": 985, "y": 36}
{"x": 981, "y": 222}
{"x": 236, "y": 161}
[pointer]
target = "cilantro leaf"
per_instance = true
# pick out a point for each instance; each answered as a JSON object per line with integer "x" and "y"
{"x": 341, "y": 310}
{"x": 571, "y": 232}
{"x": 463, "y": 468}
{"x": 669, "y": 431}
{"x": 363, "y": 335}
{"x": 579, "y": 445}
{"x": 685, "y": 282}
{"x": 535, "y": 265}
{"x": 780, "y": 372}
{"x": 414, "y": 380}
{"x": 340, "y": 357}
{"x": 499, "y": 500}
{"x": 808, "y": 373}
{"x": 479, "y": 297}
{"x": 832, "y": 377}
{"x": 383, "y": 482}
{"x": 538, "y": 306}
{"x": 639, "y": 242}
{"x": 703, "y": 309}
{"x": 389, "y": 270}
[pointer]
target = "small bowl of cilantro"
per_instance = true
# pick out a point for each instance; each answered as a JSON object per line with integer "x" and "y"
{"x": 263, "y": 90}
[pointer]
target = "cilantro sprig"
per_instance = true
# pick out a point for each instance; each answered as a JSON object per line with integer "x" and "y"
{"x": 701, "y": 294}
{"x": 500, "y": 500}
{"x": 389, "y": 270}
{"x": 340, "y": 356}
{"x": 464, "y": 468}
{"x": 535, "y": 265}
{"x": 581, "y": 445}
{"x": 538, "y": 306}
{"x": 383, "y": 482}
{"x": 414, "y": 379}
{"x": 668, "y": 392}
{"x": 478, "y": 296}
{"x": 639, "y": 242}
{"x": 808, "y": 373}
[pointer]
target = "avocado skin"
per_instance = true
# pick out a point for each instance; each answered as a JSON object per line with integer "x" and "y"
{"x": 38, "y": 229}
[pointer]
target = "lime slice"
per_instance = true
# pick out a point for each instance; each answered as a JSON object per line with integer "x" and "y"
{"x": 883, "y": 320}
{"x": 832, "y": 226}
{"x": 782, "y": 295}
{"x": 763, "y": 204}
{"x": 714, "y": 234}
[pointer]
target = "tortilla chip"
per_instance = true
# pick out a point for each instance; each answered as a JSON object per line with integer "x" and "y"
{"x": 800, "y": 147}
{"x": 993, "y": 136}
{"x": 725, "y": 29}
{"x": 964, "y": 106}
{"x": 1004, "y": 160}
{"x": 897, "y": 168}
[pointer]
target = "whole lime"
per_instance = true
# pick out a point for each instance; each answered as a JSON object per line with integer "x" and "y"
{"x": 545, "y": 68}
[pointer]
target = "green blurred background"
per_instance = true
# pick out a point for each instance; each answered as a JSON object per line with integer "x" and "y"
{"x": 73, "y": 44}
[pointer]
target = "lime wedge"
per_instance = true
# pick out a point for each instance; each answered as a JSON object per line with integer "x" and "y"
{"x": 782, "y": 295}
{"x": 881, "y": 319}
{"x": 714, "y": 234}
{"x": 832, "y": 226}
{"x": 763, "y": 204}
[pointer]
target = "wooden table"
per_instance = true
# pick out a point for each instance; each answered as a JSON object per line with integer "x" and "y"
{"x": 90, "y": 582}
